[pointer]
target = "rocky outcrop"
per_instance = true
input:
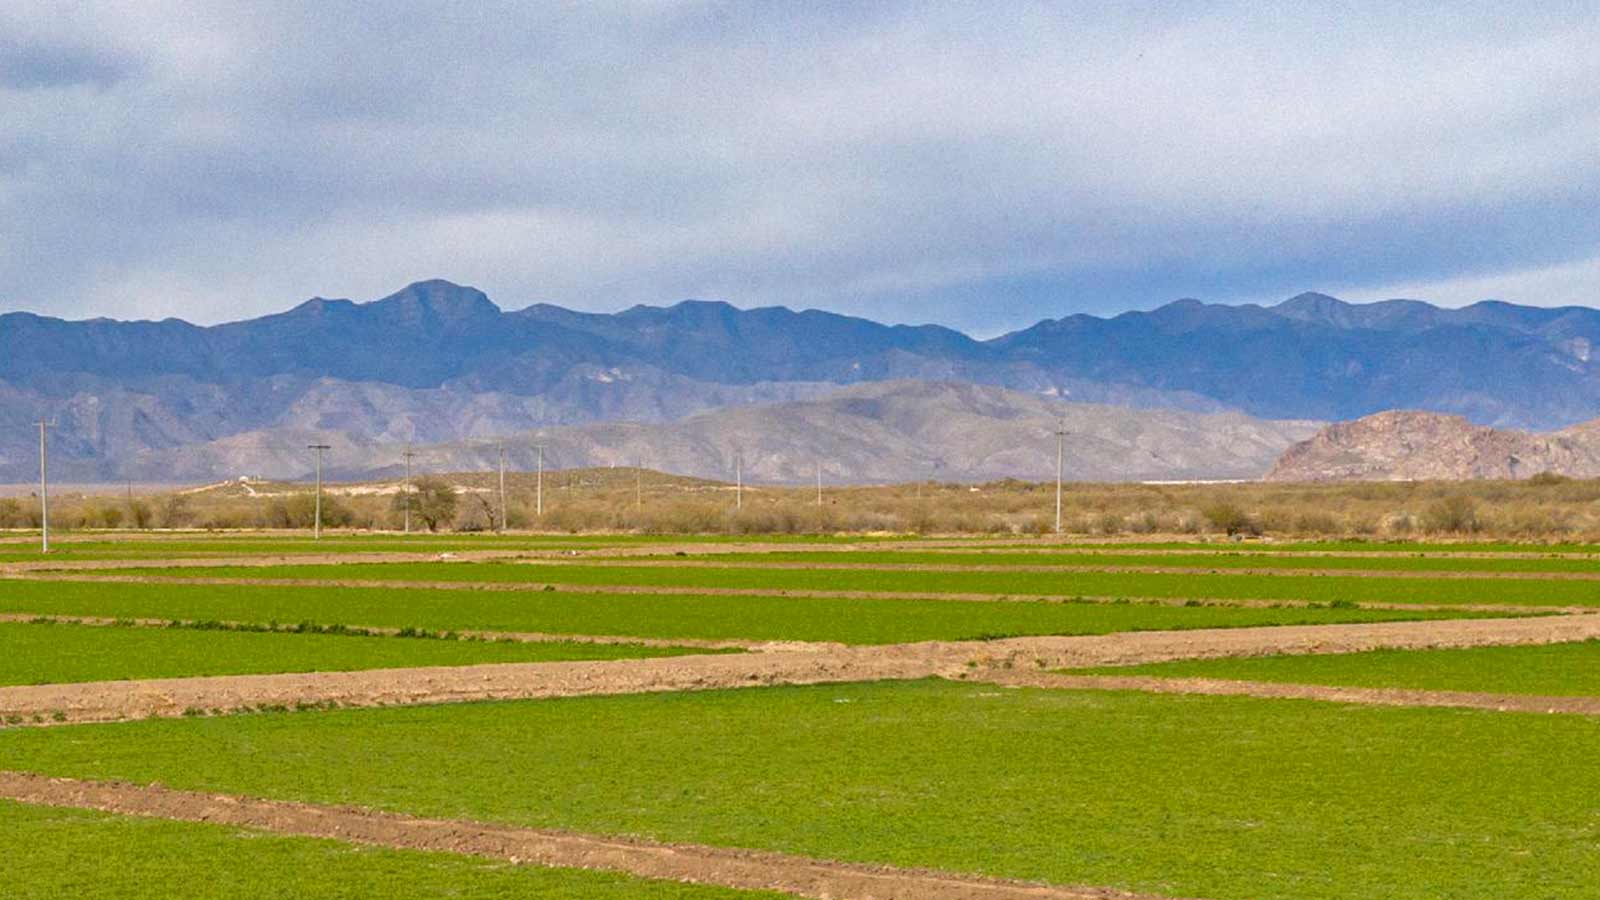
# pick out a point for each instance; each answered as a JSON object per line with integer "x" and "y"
{"x": 1417, "y": 446}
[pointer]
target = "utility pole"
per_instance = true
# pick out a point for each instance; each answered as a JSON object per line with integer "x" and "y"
{"x": 1061, "y": 437}
{"x": 408, "y": 454}
{"x": 316, "y": 523}
{"x": 538, "y": 495}
{"x": 44, "y": 491}
{"x": 819, "y": 484}
{"x": 502, "y": 486}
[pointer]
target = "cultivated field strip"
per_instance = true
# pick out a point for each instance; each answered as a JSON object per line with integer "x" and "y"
{"x": 520, "y": 637}
{"x": 797, "y": 593}
{"x": 695, "y": 864}
{"x": 1579, "y": 570}
{"x": 114, "y": 701}
{"x": 1217, "y": 687}
{"x": 1012, "y": 568}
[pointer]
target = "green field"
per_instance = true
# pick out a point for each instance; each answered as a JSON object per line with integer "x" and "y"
{"x": 1218, "y": 560}
{"x": 641, "y": 615}
{"x": 1319, "y": 588}
{"x": 57, "y": 853}
{"x": 1181, "y": 796}
{"x": 52, "y": 653}
{"x": 1550, "y": 670}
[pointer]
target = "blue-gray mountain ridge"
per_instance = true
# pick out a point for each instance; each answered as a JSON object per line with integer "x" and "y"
{"x": 438, "y": 362}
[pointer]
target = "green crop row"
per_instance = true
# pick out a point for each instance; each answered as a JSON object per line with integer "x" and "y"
{"x": 1319, "y": 588}
{"x": 1549, "y": 670}
{"x": 641, "y": 615}
{"x": 53, "y": 653}
{"x": 1224, "y": 798}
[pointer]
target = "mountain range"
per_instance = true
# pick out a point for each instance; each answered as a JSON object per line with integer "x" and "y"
{"x": 873, "y": 432}
{"x": 438, "y": 363}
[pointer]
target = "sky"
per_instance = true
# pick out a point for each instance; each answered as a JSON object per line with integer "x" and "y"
{"x": 978, "y": 165}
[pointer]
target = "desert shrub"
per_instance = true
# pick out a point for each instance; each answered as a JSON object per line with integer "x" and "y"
{"x": 1316, "y": 522}
{"x": 14, "y": 514}
{"x": 1399, "y": 523}
{"x": 176, "y": 511}
{"x": 1456, "y": 514}
{"x": 1230, "y": 518}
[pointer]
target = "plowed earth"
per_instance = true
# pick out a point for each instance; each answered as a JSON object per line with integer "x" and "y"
{"x": 805, "y": 664}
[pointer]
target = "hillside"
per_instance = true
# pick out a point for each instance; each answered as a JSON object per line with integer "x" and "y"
{"x": 881, "y": 432}
{"x": 1409, "y": 446}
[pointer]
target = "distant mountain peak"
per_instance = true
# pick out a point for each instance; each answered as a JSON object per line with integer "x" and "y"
{"x": 1311, "y": 298}
{"x": 436, "y": 304}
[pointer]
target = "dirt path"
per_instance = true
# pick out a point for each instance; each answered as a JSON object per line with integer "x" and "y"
{"x": 111, "y": 701}
{"x": 673, "y": 590}
{"x": 520, "y": 637}
{"x": 1584, "y": 706}
{"x": 691, "y": 863}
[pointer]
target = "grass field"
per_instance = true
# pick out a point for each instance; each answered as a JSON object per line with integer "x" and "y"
{"x": 640, "y": 615}
{"x": 1183, "y": 796}
{"x": 52, "y": 653}
{"x": 1224, "y": 798}
{"x": 52, "y": 854}
{"x": 1319, "y": 588}
{"x": 1551, "y": 670}
{"x": 1217, "y": 560}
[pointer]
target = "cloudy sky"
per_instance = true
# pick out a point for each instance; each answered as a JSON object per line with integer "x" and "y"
{"x": 982, "y": 165}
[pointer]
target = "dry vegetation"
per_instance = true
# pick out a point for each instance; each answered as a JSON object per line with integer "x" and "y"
{"x": 1544, "y": 508}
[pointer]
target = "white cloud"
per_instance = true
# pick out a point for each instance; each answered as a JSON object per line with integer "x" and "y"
{"x": 1574, "y": 283}
{"x": 220, "y": 160}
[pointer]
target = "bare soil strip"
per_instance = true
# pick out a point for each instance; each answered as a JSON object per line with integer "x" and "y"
{"x": 691, "y": 863}
{"x": 670, "y": 590}
{"x": 520, "y": 637}
{"x": 112, "y": 701}
{"x": 1583, "y": 706}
